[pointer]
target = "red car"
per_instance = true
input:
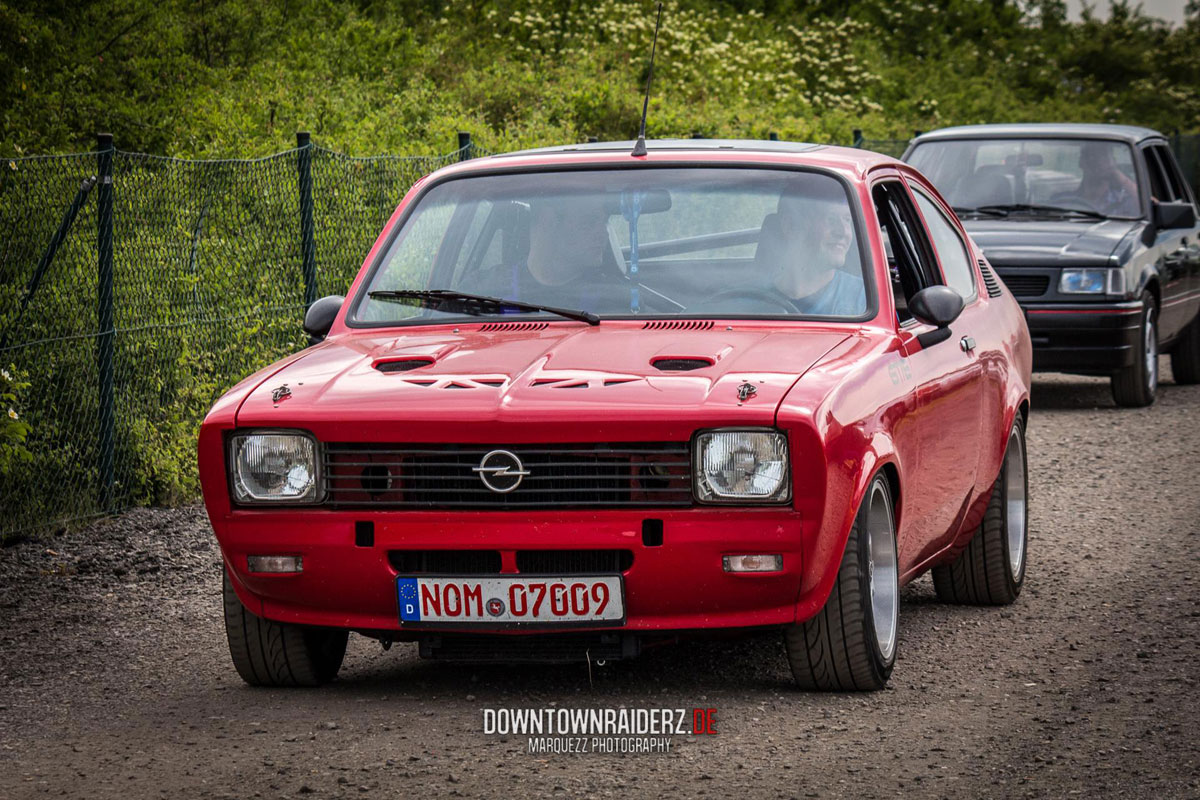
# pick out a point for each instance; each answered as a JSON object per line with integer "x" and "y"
{"x": 581, "y": 401}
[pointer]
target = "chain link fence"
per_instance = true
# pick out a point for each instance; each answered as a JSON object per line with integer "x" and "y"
{"x": 134, "y": 289}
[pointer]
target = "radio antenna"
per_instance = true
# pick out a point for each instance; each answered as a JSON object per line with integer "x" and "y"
{"x": 639, "y": 149}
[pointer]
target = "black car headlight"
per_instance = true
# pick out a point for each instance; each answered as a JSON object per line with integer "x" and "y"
{"x": 741, "y": 466}
{"x": 274, "y": 467}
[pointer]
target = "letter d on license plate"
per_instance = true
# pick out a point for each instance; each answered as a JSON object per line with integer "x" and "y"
{"x": 578, "y": 599}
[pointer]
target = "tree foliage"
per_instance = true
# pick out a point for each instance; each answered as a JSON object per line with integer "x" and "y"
{"x": 235, "y": 77}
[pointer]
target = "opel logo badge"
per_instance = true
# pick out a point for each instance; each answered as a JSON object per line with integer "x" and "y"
{"x": 501, "y": 471}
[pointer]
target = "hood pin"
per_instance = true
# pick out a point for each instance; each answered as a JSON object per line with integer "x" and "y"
{"x": 280, "y": 393}
{"x": 746, "y": 391}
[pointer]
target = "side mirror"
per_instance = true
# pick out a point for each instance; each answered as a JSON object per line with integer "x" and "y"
{"x": 1174, "y": 215}
{"x": 320, "y": 316}
{"x": 935, "y": 305}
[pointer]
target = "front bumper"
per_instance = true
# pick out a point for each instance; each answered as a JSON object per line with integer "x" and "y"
{"x": 1084, "y": 338}
{"x": 678, "y": 585}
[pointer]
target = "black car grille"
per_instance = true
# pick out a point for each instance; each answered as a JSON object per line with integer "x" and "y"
{"x": 529, "y": 562}
{"x": 1027, "y": 285}
{"x": 559, "y": 476}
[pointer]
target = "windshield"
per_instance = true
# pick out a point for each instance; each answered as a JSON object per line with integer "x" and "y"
{"x": 1090, "y": 176}
{"x": 621, "y": 243}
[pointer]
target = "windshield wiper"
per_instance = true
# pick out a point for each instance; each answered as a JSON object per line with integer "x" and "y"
{"x": 475, "y": 305}
{"x": 994, "y": 211}
{"x": 1036, "y": 207}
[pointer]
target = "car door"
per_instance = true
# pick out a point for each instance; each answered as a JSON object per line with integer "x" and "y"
{"x": 939, "y": 439}
{"x": 1169, "y": 252}
{"x": 1187, "y": 254}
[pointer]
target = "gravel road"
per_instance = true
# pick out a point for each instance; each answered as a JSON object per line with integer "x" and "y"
{"x": 115, "y": 680}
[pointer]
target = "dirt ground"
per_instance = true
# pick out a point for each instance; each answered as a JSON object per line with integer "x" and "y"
{"x": 115, "y": 680}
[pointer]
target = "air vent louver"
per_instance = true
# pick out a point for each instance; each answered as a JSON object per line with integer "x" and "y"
{"x": 513, "y": 326}
{"x": 990, "y": 280}
{"x": 679, "y": 325}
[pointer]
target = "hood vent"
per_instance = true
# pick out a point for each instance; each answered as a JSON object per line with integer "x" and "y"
{"x": 679, "y": 325}
{"x": 401, "y": 364}
{"x": 678, "y": 364}
{"x": 513, "y": 326}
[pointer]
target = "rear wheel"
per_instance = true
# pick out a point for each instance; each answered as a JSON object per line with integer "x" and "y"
{"x": 1136, "y": 385}
{"x": 850, "y": 645}
{"x": 1185, "y": 358}
{"x": 991, "y": 570}
{"x": 268, "y": 653}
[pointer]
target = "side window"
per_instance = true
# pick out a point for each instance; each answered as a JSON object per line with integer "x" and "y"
{"x": 951, "y": 250}
{"x": 910, "y": 258}
{"x": 1175, "y": 179}
{"x": 1159, "y": 188}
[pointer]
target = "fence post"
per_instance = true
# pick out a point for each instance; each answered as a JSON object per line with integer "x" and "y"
{"x": 308, "y": 245}
{"x": 466, "y": 150}
{"x": 858, "y": 137}
{"x": 104, "y": 317}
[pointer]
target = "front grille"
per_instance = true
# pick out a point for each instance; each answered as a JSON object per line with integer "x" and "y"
{"x": 1027, "y": 285}
{"x": 573, "y": 562}
{"x": 437, "y": 476}
{"x": 529, "y": 562}
{"x": 445, "y": 562}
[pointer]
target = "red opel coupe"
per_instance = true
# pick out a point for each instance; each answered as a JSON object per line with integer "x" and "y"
{"x": 579, "y": 401}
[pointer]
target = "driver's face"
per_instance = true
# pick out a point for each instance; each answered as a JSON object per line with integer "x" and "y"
{"x": 826, "y": 228}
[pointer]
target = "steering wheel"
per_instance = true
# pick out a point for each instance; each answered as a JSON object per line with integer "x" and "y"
{"x": 757, "y": 295}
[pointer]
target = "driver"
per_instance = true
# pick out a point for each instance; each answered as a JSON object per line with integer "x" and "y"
{"x": 816, "y": 236}
{"x": 565, "y": 262}
{"x": 1103, "y": 186}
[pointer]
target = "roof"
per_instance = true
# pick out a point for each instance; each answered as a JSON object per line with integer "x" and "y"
{"x": 672, "y": 151}
{"x": 1043, "y": 130}
{"x": 762, "y": 145}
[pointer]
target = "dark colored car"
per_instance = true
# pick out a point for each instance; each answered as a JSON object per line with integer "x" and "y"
{"x": 1094, "y": 230}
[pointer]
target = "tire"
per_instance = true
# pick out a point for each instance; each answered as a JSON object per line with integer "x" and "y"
{"x": 1185, "y": 358}
{"x": 1136, "y": 385}
{"x": 991, "y": 570}
{"x": 268, "y": 653}
{"x": 842, "y": 648}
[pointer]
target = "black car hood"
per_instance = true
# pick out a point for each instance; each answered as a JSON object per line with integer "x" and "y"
{"x": 1024, "y": 242}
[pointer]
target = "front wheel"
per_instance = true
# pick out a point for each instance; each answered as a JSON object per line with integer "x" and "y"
{"x": 268, "y": 653}
{"x": 1136, "y": 385}
{"x": 850, "y": 645}
{"x": 991, "y": 570}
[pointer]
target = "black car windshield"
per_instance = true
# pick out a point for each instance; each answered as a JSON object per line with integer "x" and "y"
{"x": 663, "y": 242}
{"x": 1033, "y": 177}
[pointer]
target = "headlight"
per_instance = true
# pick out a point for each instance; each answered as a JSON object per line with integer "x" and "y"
{"x": 742, "y": 466}
{"x": 1092, "y": 281}
{"x": 274, "y": 467}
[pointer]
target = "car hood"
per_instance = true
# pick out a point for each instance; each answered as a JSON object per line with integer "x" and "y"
{"x": 1044, "y": 243}
{"x": 563, "y": 382}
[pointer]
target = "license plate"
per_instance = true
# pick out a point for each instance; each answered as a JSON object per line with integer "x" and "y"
{"x": 577, "y": 600}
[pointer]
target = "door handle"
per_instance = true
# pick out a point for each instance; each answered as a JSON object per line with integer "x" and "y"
{"x": 967, "y": 344}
